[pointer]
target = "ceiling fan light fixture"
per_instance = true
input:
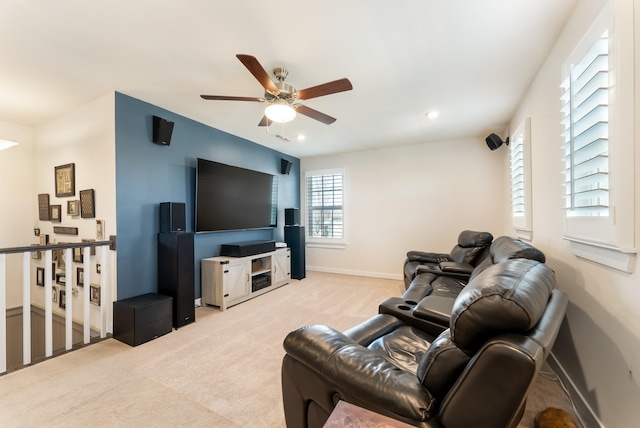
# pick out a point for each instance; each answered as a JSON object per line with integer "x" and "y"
{"x": 280, "y": 112}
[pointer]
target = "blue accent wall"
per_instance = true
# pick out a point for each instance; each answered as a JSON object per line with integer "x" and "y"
{"x": 148, "y": 173}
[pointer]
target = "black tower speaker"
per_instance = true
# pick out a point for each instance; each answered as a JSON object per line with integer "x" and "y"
{"x": 172, "y": 217}
{"x": 162, "y": 130}
{"x": 291, "y": 217}
{"x": 294, "y": 237}
{"x": 176, "y": 276}
{"x": 285, "y": 166}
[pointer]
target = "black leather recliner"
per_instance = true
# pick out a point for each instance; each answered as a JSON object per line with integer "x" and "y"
{"x": 476, "y": 373}
{"x": 472, "y": 248}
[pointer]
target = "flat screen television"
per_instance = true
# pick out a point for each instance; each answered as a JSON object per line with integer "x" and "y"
{"x": 233, "y": 198}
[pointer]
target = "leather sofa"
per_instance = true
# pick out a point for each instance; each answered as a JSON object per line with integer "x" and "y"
{"x": 476, "y": 373}
{"x": 434, "y": 288}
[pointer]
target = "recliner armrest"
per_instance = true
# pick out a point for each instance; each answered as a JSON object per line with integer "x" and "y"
{"x": 427, "y": 257}
{"x": 356, "y": 371}
{"x": 435, "y": 308}
{"x": 455, "y": 267}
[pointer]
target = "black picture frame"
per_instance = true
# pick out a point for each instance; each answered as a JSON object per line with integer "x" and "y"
{"x": 87, "y": 204}
{"x": 62, "y": 301}
{"x": 65, "y": 180}
{"x": 80, "y": 277}
{"x": 40, "y": 276}
{"x": 61, "y": 279}
{"x": 78, "y": 256}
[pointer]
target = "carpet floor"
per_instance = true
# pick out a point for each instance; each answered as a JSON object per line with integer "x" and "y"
{"x": 221, "y": 371}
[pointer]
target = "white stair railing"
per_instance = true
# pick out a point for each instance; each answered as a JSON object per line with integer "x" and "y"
{"x": 105, "y": 297}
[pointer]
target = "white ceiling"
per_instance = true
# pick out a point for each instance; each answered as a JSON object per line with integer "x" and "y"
{"x": 472, "y": 60}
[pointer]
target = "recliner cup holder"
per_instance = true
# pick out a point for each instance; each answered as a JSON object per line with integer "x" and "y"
{"x": 404, "y": 307}
{"x": 411, "y": 302}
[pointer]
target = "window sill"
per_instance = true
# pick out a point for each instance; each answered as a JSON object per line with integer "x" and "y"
{"x": 325, "y": 244}
{"x": 623, "y": 260}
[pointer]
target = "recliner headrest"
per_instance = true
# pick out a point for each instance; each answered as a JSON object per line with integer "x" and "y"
{"x": 509, "y": 297}
{"x": 508, "y": 247}
{"x": 471, "y": 238}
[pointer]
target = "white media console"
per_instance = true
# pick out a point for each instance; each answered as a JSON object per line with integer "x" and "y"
{"x": 227, "y": 281}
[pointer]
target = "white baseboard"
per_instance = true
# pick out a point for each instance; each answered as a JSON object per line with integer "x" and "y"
{"x": 584, "y": 410}
{"x": 381, "y": 275}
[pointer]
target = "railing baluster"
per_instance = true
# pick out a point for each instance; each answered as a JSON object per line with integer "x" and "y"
{"x": 48, "y": 305}
{"x": 3, "y": 314}
{"x": 68, "y": 300}
{"x": 26, "y": 308}
{"x": 86, "y": 306}
{"x": 104, "y": 292}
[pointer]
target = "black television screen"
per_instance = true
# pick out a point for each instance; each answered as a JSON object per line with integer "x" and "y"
{"x": 233, "y": 198}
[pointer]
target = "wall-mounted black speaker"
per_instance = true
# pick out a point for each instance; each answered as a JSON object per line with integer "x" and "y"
{"x": 173, "y": 217}
{"x": 494, "y": 141}
{"x": 291, "y": 216}
{"x": 162, "y": 129}
{"x": 285, "y": 166}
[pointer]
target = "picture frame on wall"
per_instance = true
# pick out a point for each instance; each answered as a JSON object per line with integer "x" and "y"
{"x": 65, "y": 180}
{"x": 87, "y": 204}
{"x": 94, "y": 294}
{"x": 62, "y": 302}
{"x": 55, "y": 213}
{"x": 80, "y": 277}
{"x": 43, "y": 206}
{"x": 40, "y": 276}
{"x": 73, "y": 208}
{"x": 62, "y": 260}
{"x": 100, "y": 230}
{"x": 61, "y": 279}
{"x": 54, "y": 293}
{"x": 78, "y": 257}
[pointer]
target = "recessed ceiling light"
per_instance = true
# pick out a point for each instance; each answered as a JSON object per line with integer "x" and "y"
{"x": 433, "y": 114}
{"x": 301, "y": 137}
{"x": 5, "y": 144}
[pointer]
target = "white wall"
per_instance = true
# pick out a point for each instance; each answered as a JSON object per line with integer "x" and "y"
{"x": 599, "y": 346}
{"x": 410, "y": 198}
{"x": 86, "y": 137}
{"x": 17, "y": 216}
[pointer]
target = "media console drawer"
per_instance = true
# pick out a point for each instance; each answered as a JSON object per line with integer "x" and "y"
{"x": 139, "y": 319}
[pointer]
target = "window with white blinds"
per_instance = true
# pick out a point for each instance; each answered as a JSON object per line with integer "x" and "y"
{"x": 598, "y": 140}
{"x": 520, "y": 169}
{"x": 325, "y": 210}
{"x": 586, "y": 133}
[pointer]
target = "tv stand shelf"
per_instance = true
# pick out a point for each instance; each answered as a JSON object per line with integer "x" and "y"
{"x": 227, "y": 281}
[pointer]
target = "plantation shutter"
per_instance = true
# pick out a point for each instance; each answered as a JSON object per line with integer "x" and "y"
{"x": 586, "y": 133}
{"x": 325, "y": 205}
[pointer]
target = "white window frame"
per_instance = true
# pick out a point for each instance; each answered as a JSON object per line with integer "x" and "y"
{"x": 610, "y": 240}
{"x": 314, "y": 241}
{"x": 520, "y": 171}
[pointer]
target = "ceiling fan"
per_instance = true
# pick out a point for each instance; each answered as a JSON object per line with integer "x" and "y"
{"x": 282, "y": 98}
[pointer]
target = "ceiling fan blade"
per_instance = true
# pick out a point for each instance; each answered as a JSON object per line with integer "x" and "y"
{"x": 339, "y": 85}
{"x": 258, "y": 72}
{"x": 226, "y": 98}
{"x": 315, "y": 114}
{"x": 265, "y": 121}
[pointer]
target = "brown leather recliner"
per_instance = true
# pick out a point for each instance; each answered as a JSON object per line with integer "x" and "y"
{"x": 476, "y": 373}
